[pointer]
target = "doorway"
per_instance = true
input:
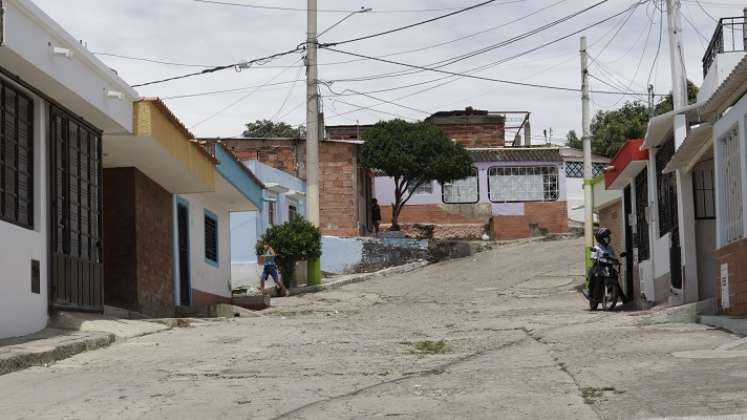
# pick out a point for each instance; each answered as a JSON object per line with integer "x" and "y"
{"x": 75, "y": 182}
{"x": 182, "y": 232}
{"x": 628, "y": 229}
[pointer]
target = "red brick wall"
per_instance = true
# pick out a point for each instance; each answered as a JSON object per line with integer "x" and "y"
{"x": 735, "y": 255}
{"x": 337, "y": 189}
{"x": 138, "y": 247}
{"x": 429, "y": 214}
{"x": 552, "y": 216}
{"x": 476, "y": 135}
{"x": 286, "y": 155}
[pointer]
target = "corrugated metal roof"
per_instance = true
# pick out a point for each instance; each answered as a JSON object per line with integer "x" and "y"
{"x": 510, "y": 154}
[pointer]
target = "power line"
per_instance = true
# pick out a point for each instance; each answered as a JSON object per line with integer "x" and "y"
{"x": 304, "y": 10}
{"x": 705, "y": 11}
{"x": 452, "y": 60}
{"x": 290, "y": 92}
{"x": 472, "y": 76}
{"x": 239, "y": 65}
{"x": 410, "y": 26}
{"x": 226, "y": 91}
{"x": 658, "y": 47}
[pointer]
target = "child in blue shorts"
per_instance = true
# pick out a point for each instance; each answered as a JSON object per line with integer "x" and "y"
{"x": 271, "y": 270}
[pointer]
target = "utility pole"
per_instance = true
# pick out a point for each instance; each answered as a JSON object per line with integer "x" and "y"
{"x": 586, "y": 137}
{"x": 313, "y": 131}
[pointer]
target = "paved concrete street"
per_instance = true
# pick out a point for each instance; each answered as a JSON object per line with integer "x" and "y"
{"x": 518, "y": 342}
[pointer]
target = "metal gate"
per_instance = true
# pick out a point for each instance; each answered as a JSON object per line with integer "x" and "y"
{"x": 75, "y": 173}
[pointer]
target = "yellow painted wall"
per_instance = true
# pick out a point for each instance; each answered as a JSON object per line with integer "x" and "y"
{"x": 150, "y": 121}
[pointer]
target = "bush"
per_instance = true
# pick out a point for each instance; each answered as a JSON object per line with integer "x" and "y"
{"x": 293, "y": 241}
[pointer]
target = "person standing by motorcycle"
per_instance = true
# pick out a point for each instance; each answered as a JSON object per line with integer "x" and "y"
{"x": 601, "y": 254}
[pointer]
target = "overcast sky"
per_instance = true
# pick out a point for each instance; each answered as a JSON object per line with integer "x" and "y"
{"x": 196, "y": 33}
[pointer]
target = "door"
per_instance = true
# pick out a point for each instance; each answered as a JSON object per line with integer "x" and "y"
{"x": 628, "y": 210}
{"x": 75, "y": 173}
{"x": 185, "y": 287}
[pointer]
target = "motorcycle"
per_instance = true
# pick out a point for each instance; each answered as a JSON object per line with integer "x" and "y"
{"x": 604, "y": 284}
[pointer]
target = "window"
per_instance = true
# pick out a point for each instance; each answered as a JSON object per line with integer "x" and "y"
{"x": 508, "y": 184}
{"x": 730, "y": 197}
{"x": 576, "y": 169}
{"x": 667, "y": 189}
{"x": 211, "y": 238}
{"x": 641, "y": 204}
{"x": 272, "y": 212}
{"x": 425, "y": 188}
{"x": 463, "y": 191}
{"x": 16, "y": 157}
{"x": 704, "y": 193}
{"x": 292, "y": 211}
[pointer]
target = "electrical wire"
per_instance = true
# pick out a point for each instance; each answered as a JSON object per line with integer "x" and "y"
{"x": 247, "y": 63}
{"x": 290, "y": 92}
{"x": 227, "y": 91}
{"x": 238, "y": 101}
{"x": 658, "y": 47}
{"x": 410, "y": 26}
{"x": 304, "y": 10}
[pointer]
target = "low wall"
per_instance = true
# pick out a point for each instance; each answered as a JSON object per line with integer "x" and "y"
{"x": 732, "y": 259}
{"x": 353, "y": 255}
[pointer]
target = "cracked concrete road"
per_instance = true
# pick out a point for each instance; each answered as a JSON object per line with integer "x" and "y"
{"x": 519, "y": 344}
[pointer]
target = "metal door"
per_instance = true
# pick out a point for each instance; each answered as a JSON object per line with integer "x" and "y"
{"x": 185, "y": 287}
{"x": 75, "y": 173}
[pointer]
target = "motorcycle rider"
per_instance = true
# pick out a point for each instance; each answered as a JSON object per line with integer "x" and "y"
{"x": 603, "y": 238}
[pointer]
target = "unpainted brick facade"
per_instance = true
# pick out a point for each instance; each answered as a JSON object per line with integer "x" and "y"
{"x": 138, "y": 250}
{"x": 734, "y": 255}
{"x": 539, "y": 217}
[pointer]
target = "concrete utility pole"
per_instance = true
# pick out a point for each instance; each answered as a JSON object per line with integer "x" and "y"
{"x": 312, "y": 118}
{"x": 586, "y": 137}
{"x": 685, "y": 206}
{"x": 313, "y": 130}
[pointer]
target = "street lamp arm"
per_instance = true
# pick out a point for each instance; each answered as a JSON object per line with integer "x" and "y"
{"x": 348, "y": 16}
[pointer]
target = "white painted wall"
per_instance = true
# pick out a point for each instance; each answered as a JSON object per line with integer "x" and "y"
{"x": 23, "y": 312}
{"x": 80, "y": 82}
{"x": 575, "y": 192}
{"x": 205, "y": 277}
{"x": 720, "y": 69}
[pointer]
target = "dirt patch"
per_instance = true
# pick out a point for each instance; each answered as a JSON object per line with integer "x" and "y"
{"x": 430, "y": 347}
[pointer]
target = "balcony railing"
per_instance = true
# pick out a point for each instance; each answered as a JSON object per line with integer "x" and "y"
{"x": 729, "y": 36}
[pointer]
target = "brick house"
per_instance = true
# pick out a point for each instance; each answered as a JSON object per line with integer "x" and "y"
{"x": 344, "y": 187}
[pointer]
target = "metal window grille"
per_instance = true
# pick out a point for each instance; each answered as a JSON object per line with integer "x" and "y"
{"x": 16, "y": 157}
{"x": 211, "y": 238}
{"x": 704, "y": 192}
{"x": 508, "y": 184}
{"x": 271, "y": 212}
{"x": 292, "y": 211}
{"x": 576, "y": 169}
{"x": 730, "y": 177}
{"x": 667, "y": 189}
{"x": 425, "y": 188}
{"x": 641, "y": 203}
{"x": 463, "y": 191}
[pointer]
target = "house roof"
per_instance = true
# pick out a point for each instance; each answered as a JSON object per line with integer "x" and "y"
{"x": 569, "y": 153}
{"x": 515, "y": 154}
{"x": 729, "y": 92}
{"x": 211, "y": 150}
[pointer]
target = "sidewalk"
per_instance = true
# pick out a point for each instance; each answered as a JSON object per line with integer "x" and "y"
{"x": 335, "y": 282}
{"x": 69, "y": 334}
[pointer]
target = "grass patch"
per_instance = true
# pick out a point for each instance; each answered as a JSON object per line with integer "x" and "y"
{"x": 431, "y": 347}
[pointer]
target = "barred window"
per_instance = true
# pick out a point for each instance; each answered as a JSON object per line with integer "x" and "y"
{"x": 731, "y": 211}
{"x": 576, "y": 169}
{"x": 641, "y": 204}
{"x": 463, "y": 191}
{"x": 211, "y": 238}
{"x": 704, "y": 191}
{"x": 16, "y": 157}
{"x": 667, "y": 189}
{"x": 425, "y": 188}
{"x": 523, "y": 183}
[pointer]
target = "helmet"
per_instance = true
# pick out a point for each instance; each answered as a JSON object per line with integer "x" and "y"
{"x": 603, "y": 235}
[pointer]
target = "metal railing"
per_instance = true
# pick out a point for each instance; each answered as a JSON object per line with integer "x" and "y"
{"x": 729, "y": 36}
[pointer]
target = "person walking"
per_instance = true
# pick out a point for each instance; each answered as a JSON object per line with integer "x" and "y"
{"x": 270, "y": 269}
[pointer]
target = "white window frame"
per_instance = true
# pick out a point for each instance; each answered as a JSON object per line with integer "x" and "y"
{"x": 424, "y": 188}
{"x": 526, "y": 168}
{"x": 447, "y": 185}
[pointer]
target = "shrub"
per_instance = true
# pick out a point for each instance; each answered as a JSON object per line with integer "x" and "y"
{"x": 293, "y": 241}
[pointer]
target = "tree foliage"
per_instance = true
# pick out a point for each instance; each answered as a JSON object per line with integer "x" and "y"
{"x": 268, "y": 128}
{"x": 610, "y": 129}
{"x": 413, "y": 154}
{"x": 294, "y": 240}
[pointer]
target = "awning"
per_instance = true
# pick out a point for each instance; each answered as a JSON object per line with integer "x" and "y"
{"x": 661, "y": 126}
{"x": 276, "y": 187}
{"x": 698, "y": 142}
{"x": 626, "y": 165}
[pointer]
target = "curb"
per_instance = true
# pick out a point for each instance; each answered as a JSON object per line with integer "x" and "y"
{"x": 55, "y": 353}
{"x": 359, "y": 278}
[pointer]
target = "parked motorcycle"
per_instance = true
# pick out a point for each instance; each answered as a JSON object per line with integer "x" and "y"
{"x": 604, "y": 280}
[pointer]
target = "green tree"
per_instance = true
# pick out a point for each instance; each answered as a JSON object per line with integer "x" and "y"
{"x": 573, "y": 140}
{"x": 267, "y": 128}
{"x": 413, "y": 154}
{"x": 294, "y": 240}
{"x": 610, "y": 129}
